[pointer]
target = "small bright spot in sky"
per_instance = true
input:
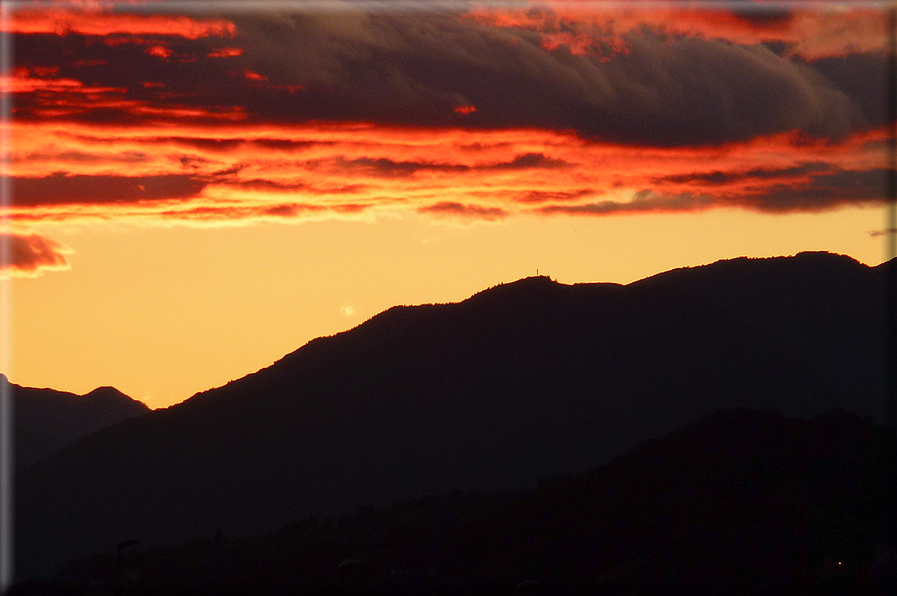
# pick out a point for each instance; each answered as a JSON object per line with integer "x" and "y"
{"x": 347, "y": 310}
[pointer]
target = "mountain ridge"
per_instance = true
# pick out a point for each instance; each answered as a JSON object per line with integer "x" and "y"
{"x": 545, "y": 281}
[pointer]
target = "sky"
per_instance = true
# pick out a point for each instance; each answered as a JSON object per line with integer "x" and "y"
{"x": 199, "y": 188}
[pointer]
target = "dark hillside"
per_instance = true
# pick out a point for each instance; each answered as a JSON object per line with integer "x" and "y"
{"x": 520, "y": 382}
{"x": 739, "y": 502}
{"x": 48, "y": 420}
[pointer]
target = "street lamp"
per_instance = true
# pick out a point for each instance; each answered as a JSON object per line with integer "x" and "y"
{"x": 342, "y": 567}
{"x": 120, "y": 546}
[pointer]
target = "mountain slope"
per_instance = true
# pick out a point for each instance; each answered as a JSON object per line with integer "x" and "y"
{"x": 48, "y": 420}
{"x": 520, "y": 382}
{"x": 741, "y": 501}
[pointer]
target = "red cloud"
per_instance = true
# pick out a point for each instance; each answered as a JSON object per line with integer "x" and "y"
{"x": 31, "y": 255}
{"x": 160, "y": 51}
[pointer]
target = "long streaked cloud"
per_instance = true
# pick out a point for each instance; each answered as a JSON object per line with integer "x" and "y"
{"x": 96, "y": 21}
{"x": 437, "y": 70}
{"x": 416, "y": 71}
{"x": 242, "y": 173}
{"x": 62, "y": 189}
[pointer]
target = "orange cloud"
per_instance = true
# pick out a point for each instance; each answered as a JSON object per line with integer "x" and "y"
{"x": 236, "y": 173}
{"x": 22, "y": 81}
{"x": 810, "y": 32}
{"x": 90, "y": 22}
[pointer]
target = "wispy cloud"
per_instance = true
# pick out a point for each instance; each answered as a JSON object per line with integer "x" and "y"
{"x": 464, "y": 211}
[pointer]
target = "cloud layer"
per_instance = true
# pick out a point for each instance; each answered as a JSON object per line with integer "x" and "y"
{"x": 481, "y": 113}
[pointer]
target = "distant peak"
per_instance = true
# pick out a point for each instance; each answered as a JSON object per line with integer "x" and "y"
{"x": 106, "y": 392}
{"x": 816, "y": 260}
{"x": 811, "y": 262}
{"x": 535, "y": 282}
{"x": 535, "y": 279}
{"x": 105, "y": 389}
{"x": 822, "y": 255}
{"x": 111, "y": 396}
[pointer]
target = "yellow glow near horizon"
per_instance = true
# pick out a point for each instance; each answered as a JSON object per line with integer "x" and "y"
{"x": 162, "y": 313}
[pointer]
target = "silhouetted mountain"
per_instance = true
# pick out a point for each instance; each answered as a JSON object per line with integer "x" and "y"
{"x": 742, "y": 501}
{"x": 48, "y": 420}
{"x": 520, "y": 382}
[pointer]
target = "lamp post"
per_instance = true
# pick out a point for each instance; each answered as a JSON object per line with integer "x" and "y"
{"x": 342, "y": 567}
{"x": 120, "y": 546}
{"x": 528, "y": 586}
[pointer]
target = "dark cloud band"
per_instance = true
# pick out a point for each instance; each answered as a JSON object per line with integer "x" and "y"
{"x": 419, "y": 69}
{"x": 61, "y": 189}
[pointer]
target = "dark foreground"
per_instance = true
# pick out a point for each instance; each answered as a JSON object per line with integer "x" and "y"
{"x": 740, "y": 502}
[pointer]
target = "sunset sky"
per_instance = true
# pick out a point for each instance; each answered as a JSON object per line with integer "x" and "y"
{"x": 202, "y": 187}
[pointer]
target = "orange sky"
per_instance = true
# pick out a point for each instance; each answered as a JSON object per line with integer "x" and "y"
{"x": 195, "y": 195}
